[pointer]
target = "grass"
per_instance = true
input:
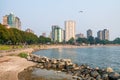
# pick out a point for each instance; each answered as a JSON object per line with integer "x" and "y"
{"x": 9, "y": 47}
{"x": 5, "y": 47}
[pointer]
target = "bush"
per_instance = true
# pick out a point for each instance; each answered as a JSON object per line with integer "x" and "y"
{"x": 23, "y": 55}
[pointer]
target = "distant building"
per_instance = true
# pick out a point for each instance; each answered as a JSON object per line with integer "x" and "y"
{"x": 29, "y": 30}
{"x": 69, "y": 30}
{"x": 5, "y": 20}
{"x": 53, "y": 32}
{"x": 89, "y": 33}
{"x": 100, "y": 35}
{"x": 57, "y": 34}
{"x": 44, "y": 34}
{"x": 79, "y": 36}
{"x": 50, "y": 35}
{"x": 105, "y": 34}
{"x": 11, "y": 21}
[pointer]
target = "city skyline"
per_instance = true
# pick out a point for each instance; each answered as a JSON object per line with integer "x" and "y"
{"x": 40, "y": 15}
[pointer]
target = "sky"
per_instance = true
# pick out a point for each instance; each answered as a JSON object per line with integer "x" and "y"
{"x": 40, "y": 15}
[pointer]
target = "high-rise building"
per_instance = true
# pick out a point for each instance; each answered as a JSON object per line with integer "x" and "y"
{"x": 89, "y": 33}
{"x": 79, "y": 36}
{"x": 53, "y": 31}
{"x": 11, "y": 21}
{"x": 5, "y": 18}
{"x": 100, "y": 35}
{"x": 17, "y": 23}
{"x": 105, "y": 34}
{"x": 57, "y": 34}
{"x": 69, "y": 30}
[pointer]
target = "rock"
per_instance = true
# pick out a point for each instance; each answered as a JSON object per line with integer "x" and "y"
{"x": 79, "y": 78}
{"x": 47, "y": 65}
{"x": 97, "y": 68}
{"x": 94, "y": 74}
{"x": 76, "y": 68}
{"x": 105, "y": 76}
{"x": 74, "y": 77}
{"x": 29, "y": 58}
{"x": 109, "y": 69}
{"x": 98, "y": 77}
{"x": 54, "y": 61}
{"x": 30, "y": 68}
{"x": 54, "y": 66}
{"x": 114, "y": 76}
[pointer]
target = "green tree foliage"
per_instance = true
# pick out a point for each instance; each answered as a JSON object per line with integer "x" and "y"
{"x": 98, "y": 41}
{"x": 43, "y": 40}
{"x": 91, "y": 40}
{"x": 71, "y": 41}
{"x": 4, "y": 34}
{"x": 82, "y": 40}
{"x": 116, "y": 41}
{"x": 15, "y": 36}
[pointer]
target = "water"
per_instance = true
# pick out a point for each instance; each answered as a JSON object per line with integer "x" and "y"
{"x": 95, "y": 57}
{"x": 43, "y": 74}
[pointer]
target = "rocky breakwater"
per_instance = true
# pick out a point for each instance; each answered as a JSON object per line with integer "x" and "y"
{"x": 82, "y": 72}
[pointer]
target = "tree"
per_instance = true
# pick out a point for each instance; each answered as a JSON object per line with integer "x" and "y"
{"x": 116, "y": 41}
{"x": 71, "y": 41}
{"x": 4, "y": 34}
{"x": 15, "y": 36}
{"x": 97, "y": 41}
{"x": 43, "y": 40}
{"x": 91, "y": 40}
{"x": 82, "y": 40}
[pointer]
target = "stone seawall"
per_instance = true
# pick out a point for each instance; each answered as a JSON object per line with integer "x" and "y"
{"x": 82, "y": 72}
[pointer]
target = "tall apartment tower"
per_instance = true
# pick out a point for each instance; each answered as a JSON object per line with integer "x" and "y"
{"x": 100, "y": 35}
{"x": 69, "y": 30}
{"x": 89, "y": 33}
{"x": 105, "y": 34}
{"x": 11, "y": 21}
{"x": 57, "y": 34}
{"x": 5, "y": 18}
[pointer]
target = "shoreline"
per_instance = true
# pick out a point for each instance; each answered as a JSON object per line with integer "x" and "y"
{"x": 11, "y": 65}
{"x": 77, "y": 72}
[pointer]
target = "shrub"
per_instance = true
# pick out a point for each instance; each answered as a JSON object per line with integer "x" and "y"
{"x": 23, "y": 55}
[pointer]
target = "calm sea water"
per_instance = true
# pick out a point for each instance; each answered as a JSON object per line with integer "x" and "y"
{"x": 95, "y": 57}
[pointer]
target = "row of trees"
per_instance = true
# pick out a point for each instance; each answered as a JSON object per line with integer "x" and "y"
{"x": 92, "y": 40}
{"x": 15, "y": 36}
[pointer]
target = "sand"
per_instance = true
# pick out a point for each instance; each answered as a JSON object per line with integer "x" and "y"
{"x": 10, "y": 66}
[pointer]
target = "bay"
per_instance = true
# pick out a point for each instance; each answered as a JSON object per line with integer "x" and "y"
{"x": 95, "y": 57}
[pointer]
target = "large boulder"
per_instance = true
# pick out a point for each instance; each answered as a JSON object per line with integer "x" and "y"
{"x": 94, "y": 74}
{"x": 105, "y": 76}
{"x": 109, "y": 69}
{"x": 114, "y": 76}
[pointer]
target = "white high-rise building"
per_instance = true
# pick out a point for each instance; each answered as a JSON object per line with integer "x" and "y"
{"x": 69, "y": 30}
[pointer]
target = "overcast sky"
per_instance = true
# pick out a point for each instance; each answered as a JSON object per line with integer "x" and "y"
{"x": 40, "y": 15}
